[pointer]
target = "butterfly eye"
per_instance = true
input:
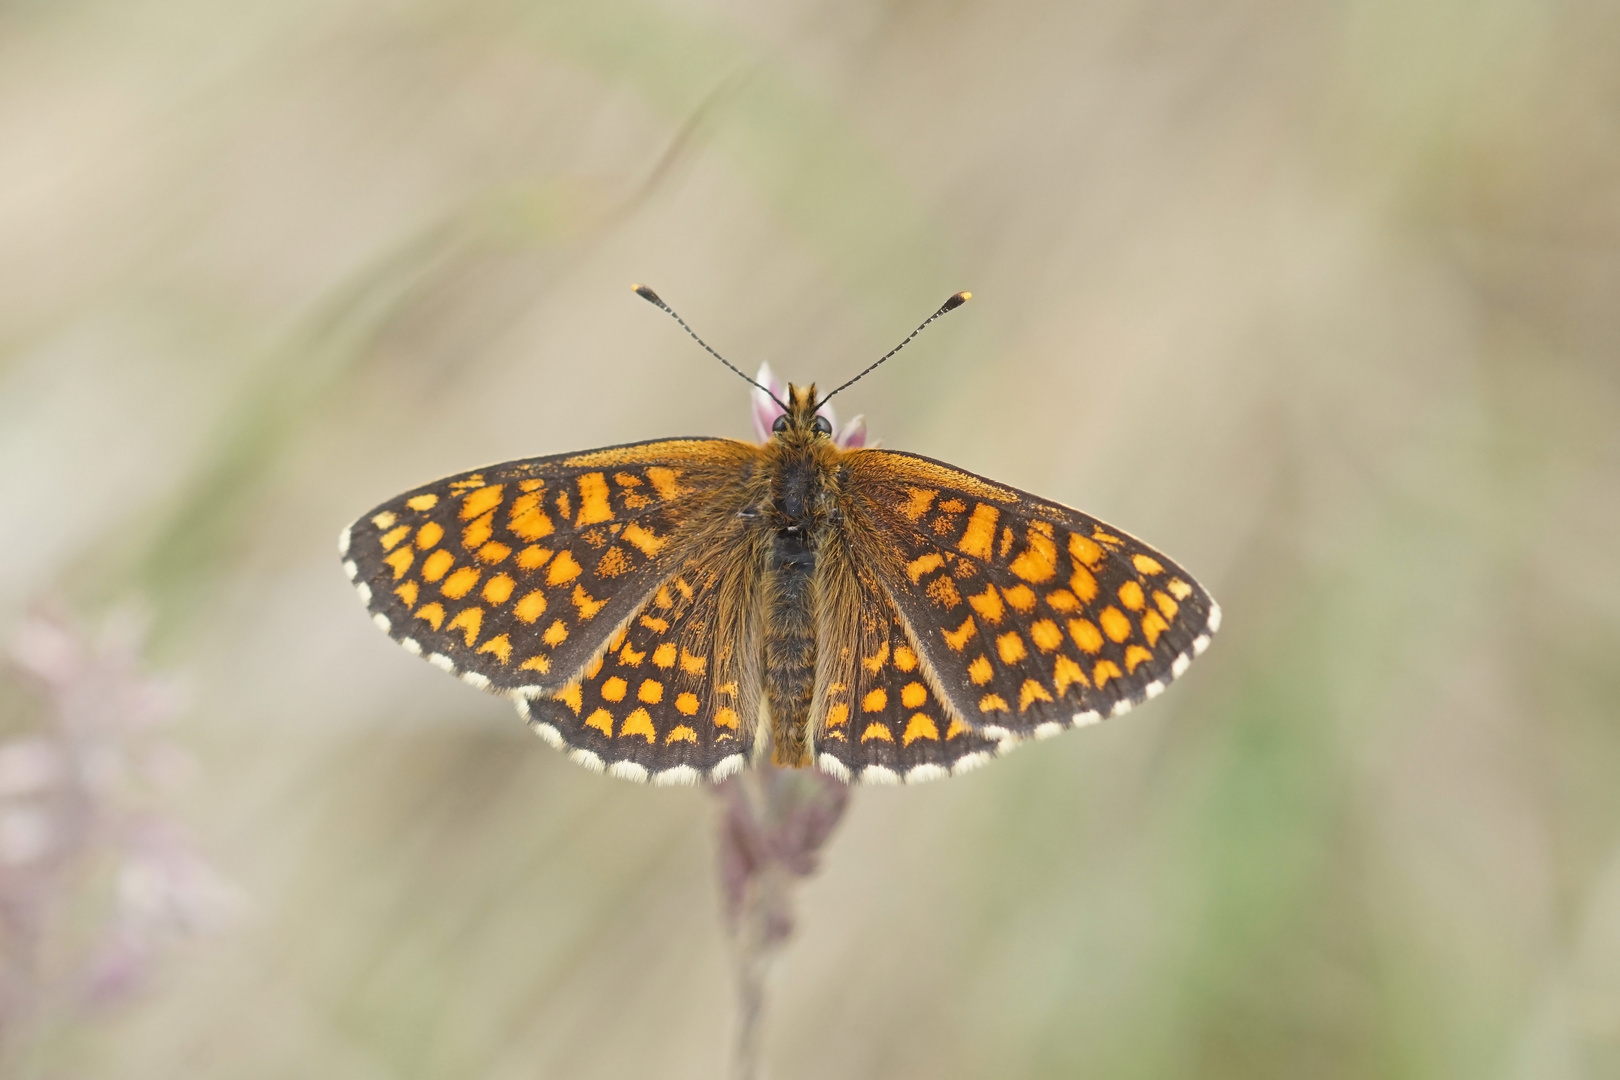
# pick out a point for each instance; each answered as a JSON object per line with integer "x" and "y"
{"x": 781, "y": 423}
{"x": 822, "y": 424}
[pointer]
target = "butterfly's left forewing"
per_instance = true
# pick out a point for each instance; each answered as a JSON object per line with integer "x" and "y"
{"x": 516, "y": 576}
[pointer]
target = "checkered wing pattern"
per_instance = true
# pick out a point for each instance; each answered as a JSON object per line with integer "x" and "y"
{"x": 883, "y": 719}
{"x": 517, "y": 576}
{"x": 1031, "y": 617}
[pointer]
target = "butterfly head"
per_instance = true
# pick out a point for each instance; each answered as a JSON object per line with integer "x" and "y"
{"x": 801, "y": 423}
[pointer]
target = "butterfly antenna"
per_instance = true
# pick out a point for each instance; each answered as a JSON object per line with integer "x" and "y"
{"x": 956, "y": 301}
{"x": 656, "y": 301}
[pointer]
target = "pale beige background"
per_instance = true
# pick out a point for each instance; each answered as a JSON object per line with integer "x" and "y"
{"x": 1320, "y": 298}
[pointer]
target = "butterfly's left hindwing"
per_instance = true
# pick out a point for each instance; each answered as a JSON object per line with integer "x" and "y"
{"x": 515, "y": 576}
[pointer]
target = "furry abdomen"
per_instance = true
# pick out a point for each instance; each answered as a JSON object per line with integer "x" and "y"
{"x": 798, "y": 514}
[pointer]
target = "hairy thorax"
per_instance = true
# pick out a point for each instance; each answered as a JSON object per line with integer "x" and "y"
{"x": 802, "y": 515}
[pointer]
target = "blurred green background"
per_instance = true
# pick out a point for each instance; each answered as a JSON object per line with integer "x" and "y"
{"x": 1322, "y": 299}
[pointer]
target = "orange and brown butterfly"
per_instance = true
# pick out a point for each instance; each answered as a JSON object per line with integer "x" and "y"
{"x": 675, "y": 610}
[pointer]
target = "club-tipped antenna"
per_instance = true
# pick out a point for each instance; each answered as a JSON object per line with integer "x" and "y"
{"x": 956, "y": 301}
{"x": 655, "y": 300}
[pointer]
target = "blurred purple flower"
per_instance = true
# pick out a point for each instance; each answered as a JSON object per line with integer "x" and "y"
{"x": 87, "y": 853}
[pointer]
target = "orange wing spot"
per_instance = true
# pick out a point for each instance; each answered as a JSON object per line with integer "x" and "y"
{"x": 651, "y": 691}
{"x": 429, "y": 534}
{"x": 555, "y": 634}
{"x": 568, "y": 695}
{"x": 1130, "y": 594}
{"x": 532, "y": 523}
{"x": 684, "y": 589}
{"x": 539, "y": 663}
{"x": 407, "y": 593}
{"x": 657, "y": 626}
{"x": 1066, "y": 672}
{"x": 531, "y": 607}
{"x": 635, "y": 501}
{"x": 682, "y": 733}
{"x": 1083, "y": 584}
{"x": 1030, "y": 693}
{"x": 1166, "y": 605}
{"x": 664, "y": 655}
{"x": 1153, "y": 626}
{"x": 613, "y": 563}
{"x": 993, "y": 703}
{"x": 917, "y": 503}
{"x": 630, "y": 658}
{"x": 481, "y": 501}
{"x": 729, "y": 689}
{"x": 640, "y": 723}
{"x": 913, "y": 696}
{"x": 920, "y": 726}
{"x": 1039, "y": 561}
{"x": 726, "y": 718}
{"x": 980, "y": 532}
{"x": 838, "y": 715}
{"x": 1179, "y": 589}
{"x": 1021, "y": 598}
{"x": 904, "y": 658}
{"x": 645, "y": 541}
{"x": 1011, "y": 647}
{"x": 957, "y": 639}
{"x": 498, "y": 589}
{"x": 875, "y": 701}
{"x": 432, "y": 613}
{"x": 602, "y": 721}
{"x": 1135, "y": 657}
{"x": 665, "y": 481}
{"x": 461, "y": 582}
{"x": 1085, "y": 551}
{"x": 614, "y": 689}
{"x": 393, "y": 537}
{"x": 923, "y": 564}
{"x": 1063, "y": 600}
{"x": 877, "y": 731}
{"x": 988, "y": 605}
{"x": 1115, "y": 623}
{"x": 531, "y": 485}
{"x": 500, "y": 645}
{"x": 942, "y": 591}
{"x": 956, "y": 728}
{"x": 979, "y": 671}
{"x": 1105, "y": 670}
{"x": 435, "y": 565}
{"x": 564, "y": 505}
{"x": 1006, "y": 541}
{"x": 1099, "y": 533}
{"x": 587, "y": 604}
{"x": 593, "y": 500}
{"x": 533, "y": 557}
{"x": 385, "y": 520}
{"x": 629, "y": 480}
{"x": 874, "y": 664}
{"x": 693, "y": 665}
{"x": 1146, "y": 564}
{"x": 662, "y": 599}
{"x": 422, "y": 502}
{"x": 952, "y": 506}
{"x": 1086, "y": 635}
{"x": 563, "y": 569}
{"x": 1046, "y": 635}
{"x": 469, "y": 621}
{"x": 493, "y": 552}
{"x": 687, "y": 704}
{"x": 400, "y": 561}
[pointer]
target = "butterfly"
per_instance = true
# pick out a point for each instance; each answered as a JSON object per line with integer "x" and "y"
{"x": 676, "y": 610}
